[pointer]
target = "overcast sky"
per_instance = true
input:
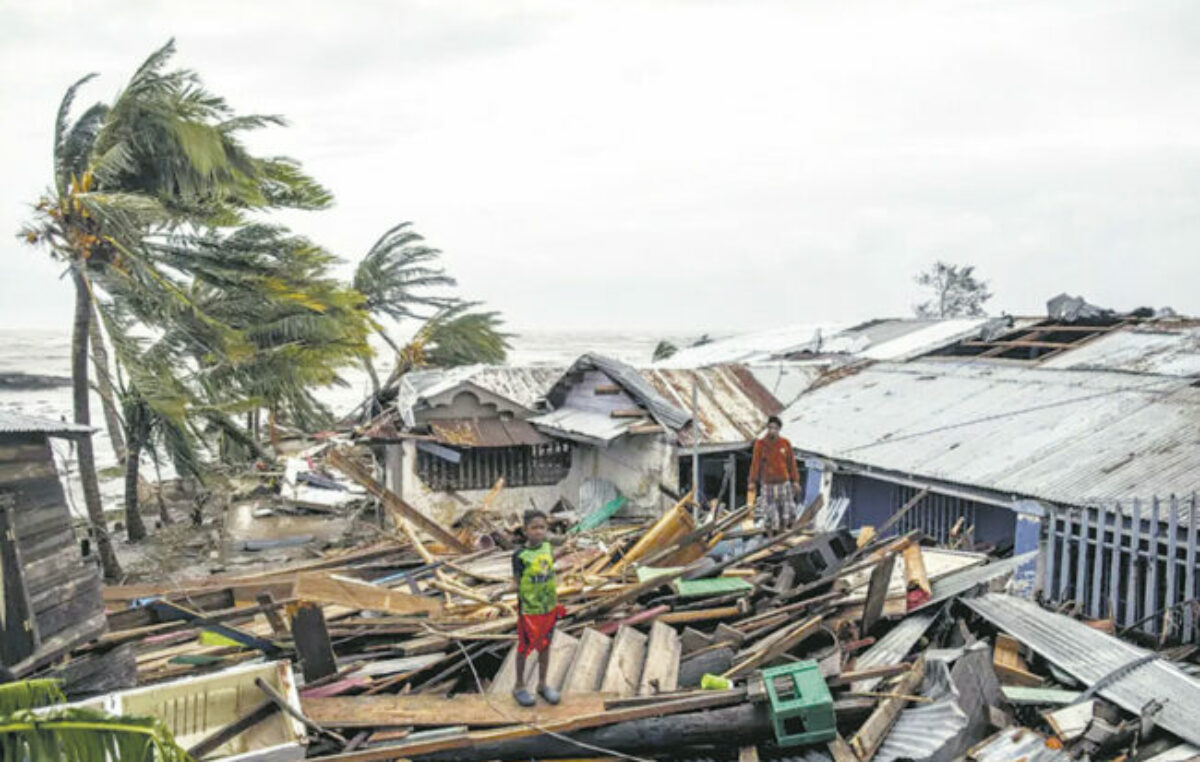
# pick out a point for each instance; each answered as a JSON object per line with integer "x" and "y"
{"x": 678, "y": 166}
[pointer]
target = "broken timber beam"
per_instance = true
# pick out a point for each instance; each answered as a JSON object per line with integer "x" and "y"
{"x": 423, "y": 710}
{"x": 870, "y": 736}
{"x": 339, "y": 590}
{"x": 340, "y": 460}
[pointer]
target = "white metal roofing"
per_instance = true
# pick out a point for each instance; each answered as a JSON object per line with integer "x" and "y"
{"x": 1158, "y": 349}
{"x": 1090, "y": 655}
{"x": 756, "y": 346}
{"x": 885, "y": 339}
{"x": 19, "y": 423}
{"x": 523, "y": 386}
{"x": 1065, "y": 436}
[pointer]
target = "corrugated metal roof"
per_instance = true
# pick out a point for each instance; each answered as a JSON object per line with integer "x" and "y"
{"x": 486, "y": 432}
{"x": 523, "y": 386}
{"x": 892, "y": 648}
{"x": 731, "y": 405}
{"x": 1016, "y": 745}
{"x": 587, "y": 425}
{"x": 1156, "y": 349}
{"x": 971, "y": 577}
{"x": 754, "y": 346}
{"x": 1089, "y": 655}
{"x": 631, "y": 380}
{"x": 885, "y": 339}
{"x": 1064, "y": 436}
{"x": 19, "y": 423}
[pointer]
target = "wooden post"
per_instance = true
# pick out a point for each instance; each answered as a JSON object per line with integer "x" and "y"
{"x": 312, "y": 642}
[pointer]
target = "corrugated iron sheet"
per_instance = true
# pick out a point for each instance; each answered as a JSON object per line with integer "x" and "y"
{"x": 523, "y": 386}
{"x": 1064, "y": 436}
{"x": 19, "y": 423}
{"x": 1089, "y": 655}
{"x": 1157, "y": 349}
{"x": 1016, "y": 745}
{"x": 965, "y": 580}
{"x": 664, "y": 410}
{"x": 486, "y": 432}
{"x": 892, "y": 648}
{"x": 586, "y": 425}
{"x": 731, "y": 405}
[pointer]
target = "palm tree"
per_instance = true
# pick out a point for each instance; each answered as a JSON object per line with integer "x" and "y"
{"x": 454, "y": 336}
{"x": 165, "y": 155}
{"x": 393, "y": 278}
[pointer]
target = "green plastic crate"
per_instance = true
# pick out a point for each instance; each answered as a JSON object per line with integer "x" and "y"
{"x": 801, "y": 705}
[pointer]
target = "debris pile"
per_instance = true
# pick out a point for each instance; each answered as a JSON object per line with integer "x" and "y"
{"x": 691, "y": 636}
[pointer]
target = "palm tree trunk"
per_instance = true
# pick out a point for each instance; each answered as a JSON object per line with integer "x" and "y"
{"x": 163, "y": 514}
{"x": 87, "y": 457}
{"x": 112, "y": 421}
{"x": 370, "y": 366}
{"x": 134, "y": 526}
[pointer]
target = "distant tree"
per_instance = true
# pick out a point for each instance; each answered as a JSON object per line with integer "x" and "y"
{"x": 956, "y": 292}
{"x": 664, "y": 350}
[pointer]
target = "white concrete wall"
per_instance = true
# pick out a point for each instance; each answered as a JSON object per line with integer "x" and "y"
{"x": 635, "y": 465}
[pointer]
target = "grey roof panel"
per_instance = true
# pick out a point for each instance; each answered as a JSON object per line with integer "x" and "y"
{"x": 1089, "y": 655}
{"x": 19, "y": 423}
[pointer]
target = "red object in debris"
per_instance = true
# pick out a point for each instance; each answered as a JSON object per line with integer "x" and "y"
{"x": 916, "y": 597}
{"x": 857, "y": 645}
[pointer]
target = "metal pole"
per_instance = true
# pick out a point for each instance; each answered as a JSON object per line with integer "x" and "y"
{"x": 695, "y": 445}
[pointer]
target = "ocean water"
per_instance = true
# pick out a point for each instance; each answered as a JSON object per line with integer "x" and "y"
{"x": 49, "y": 353}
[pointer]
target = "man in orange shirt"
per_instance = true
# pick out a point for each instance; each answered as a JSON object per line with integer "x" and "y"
{"x": 774, "y": 467}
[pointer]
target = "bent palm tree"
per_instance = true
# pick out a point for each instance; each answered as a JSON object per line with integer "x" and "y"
{"x": 165, "y": 155}
{"x": 393, "y": 278}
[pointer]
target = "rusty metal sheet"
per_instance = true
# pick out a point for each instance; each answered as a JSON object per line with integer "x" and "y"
{"x": 486, "y": 432}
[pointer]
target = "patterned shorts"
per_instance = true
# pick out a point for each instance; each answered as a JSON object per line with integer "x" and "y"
{"x": 776, "y": 506}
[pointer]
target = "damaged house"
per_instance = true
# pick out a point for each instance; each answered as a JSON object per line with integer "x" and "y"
{"x": 597, "y": 432}
{"x": 1079, "y": 438}
{"x": 50, "y": 601}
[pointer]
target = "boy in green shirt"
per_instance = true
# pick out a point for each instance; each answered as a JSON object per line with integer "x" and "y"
{"x": 538, "y": 609}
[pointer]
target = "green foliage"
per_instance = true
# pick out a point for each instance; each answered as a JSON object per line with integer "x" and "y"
{"x": 664, "y": 350}
{"x": 956, "y": 292}
{"x": 457, "y": 336}
{"x": 86, "y": 735}
{"x": 29, "y": 694}
{"x": 76, "y": 734}
{"x": 396, "y": 273}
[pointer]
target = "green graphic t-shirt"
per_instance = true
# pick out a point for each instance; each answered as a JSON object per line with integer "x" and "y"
{"x": 533, "y": 569}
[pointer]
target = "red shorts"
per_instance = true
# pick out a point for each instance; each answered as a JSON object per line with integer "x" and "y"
{"x": 534, "y": 631}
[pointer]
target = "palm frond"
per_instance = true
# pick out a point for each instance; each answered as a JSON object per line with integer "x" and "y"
{"x": 61, "y": 124}
{"x": 29, "y": 694}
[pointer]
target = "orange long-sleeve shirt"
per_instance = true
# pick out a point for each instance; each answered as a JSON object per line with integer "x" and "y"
{"x": 774, "y": 462}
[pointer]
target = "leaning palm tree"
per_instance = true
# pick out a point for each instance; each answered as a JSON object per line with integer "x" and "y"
{"x": 394, "y": 278}
{"x": 454, "y": 336}
{"x": 165, "y": 155}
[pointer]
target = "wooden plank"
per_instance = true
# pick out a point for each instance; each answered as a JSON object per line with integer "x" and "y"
{"x": 701, "y": 615}
{"x": 869, "y": 737}
{"x": 525, "y": 730}
{"x": 342, "y": 462}
{"x": 914, "y": 568}
{"x": 748, "y": 754}
{"x": 877, "y": 592}
{"x": 587, "y": 667}
{"x": 324, "y": 587}
{"x": 1009, "y": 666}
{"x": 779, "y": 643}
{"x": 312, "y": 642}
{"x": 661, "y": 671}
{"x": 423, "y": 710}
{"x": 625, "y": 663}
{"x": 840, "y": 750}
{"x": 562, "y": 650}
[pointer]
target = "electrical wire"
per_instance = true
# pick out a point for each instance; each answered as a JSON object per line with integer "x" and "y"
{"x": 541, "y": 729}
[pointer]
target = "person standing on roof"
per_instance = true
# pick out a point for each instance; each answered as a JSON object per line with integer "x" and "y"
{"x": 774, "y": 468}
